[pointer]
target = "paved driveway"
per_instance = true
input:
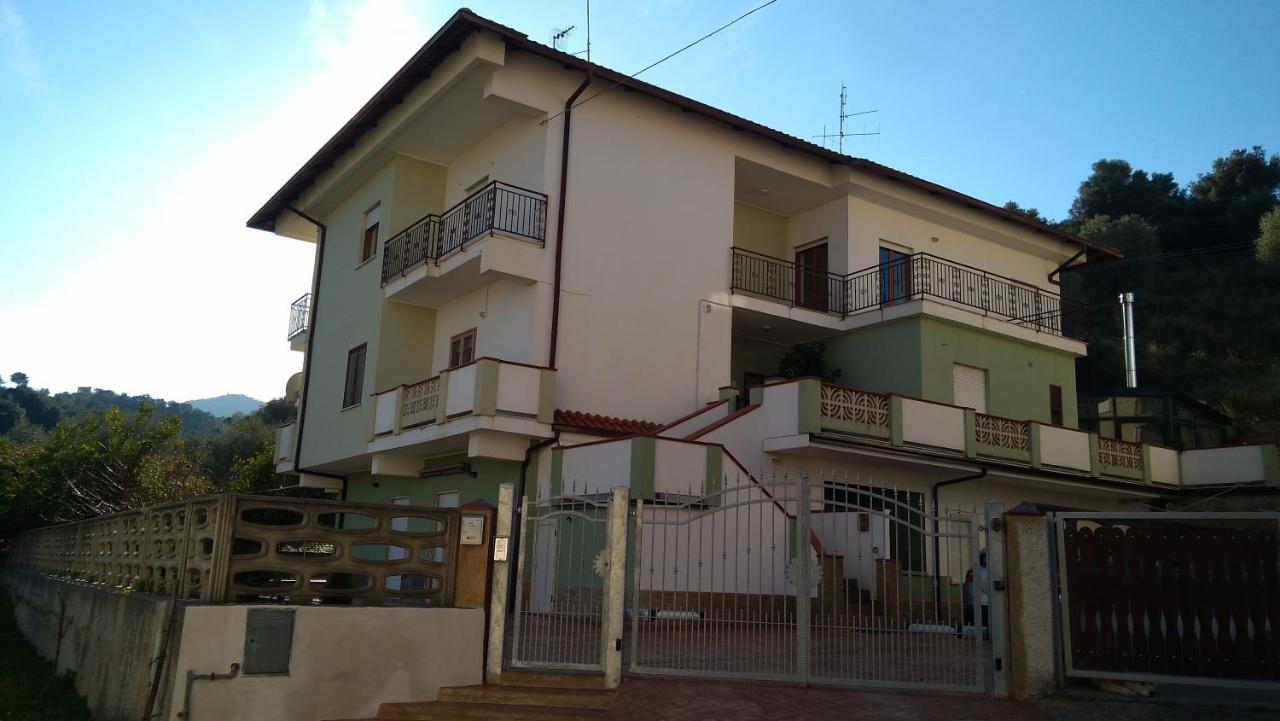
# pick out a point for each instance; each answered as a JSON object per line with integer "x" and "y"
{"x": 654, "y": 700}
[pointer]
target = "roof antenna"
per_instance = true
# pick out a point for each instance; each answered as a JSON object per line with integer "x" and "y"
{"x": 558, "y": 35}
{"x": 588, "y": 30}
{"x": 844, "y": 99}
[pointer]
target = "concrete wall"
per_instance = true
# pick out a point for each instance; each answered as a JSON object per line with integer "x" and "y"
{"x": 109, "y": 639}
{"x": 345, "y": 661}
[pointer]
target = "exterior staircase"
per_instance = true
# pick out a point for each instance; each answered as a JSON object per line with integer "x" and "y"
{"x": 522, "y": 696}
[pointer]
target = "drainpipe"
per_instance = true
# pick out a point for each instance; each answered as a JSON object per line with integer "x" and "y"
{"x": 192, "y": 677}
{"x": 564, "y": 185}
{"x": 517, "y": 511}
{"x": 1053, "y": 274}
{"x": 311, "y": 344}
{"x": 937, "y": 547}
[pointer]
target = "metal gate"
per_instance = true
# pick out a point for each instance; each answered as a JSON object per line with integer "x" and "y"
{"x": 1170, "y": 597}
{"x": 569, "y": 583}
{"x": 811, "y": 580}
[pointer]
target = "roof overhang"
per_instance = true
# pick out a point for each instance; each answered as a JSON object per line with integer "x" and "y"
{"x": 463, "y": 23}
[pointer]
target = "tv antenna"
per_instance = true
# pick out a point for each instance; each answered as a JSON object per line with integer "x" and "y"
{"x": 558, "y": 35}
{"x": 840, "y": 136}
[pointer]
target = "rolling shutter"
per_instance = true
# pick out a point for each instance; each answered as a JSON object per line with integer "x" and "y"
{"x": 969, "y": 387}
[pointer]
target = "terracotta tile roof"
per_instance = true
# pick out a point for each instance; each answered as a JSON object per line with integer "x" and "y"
{"x": 605, "y": 424}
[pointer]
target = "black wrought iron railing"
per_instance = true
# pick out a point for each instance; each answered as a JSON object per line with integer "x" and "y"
{"x": 905, "y": 278}
{"x": 299, "y": 316}
{"x": 788, "y": 282}
{"x": 497, "y": 206}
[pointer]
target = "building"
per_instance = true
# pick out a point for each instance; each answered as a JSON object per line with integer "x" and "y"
{"x": 519, "y": 253}
{"x": 1153, "y": 415}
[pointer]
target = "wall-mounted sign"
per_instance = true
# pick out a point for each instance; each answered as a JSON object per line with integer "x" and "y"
{"x": 500, "y": 548}
{"x": 472, "y": 529}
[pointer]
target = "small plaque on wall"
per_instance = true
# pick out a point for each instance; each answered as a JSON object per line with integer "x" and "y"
{"x": 500, "y": 548}
{"x": 472, "y": 529}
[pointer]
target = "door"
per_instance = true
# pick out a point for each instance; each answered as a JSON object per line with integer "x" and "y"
{"x": 895, "y": 276}
{"x": 811, "y": 277}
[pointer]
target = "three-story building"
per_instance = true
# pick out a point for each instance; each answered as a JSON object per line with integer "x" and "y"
{"x": 519, "y": 252}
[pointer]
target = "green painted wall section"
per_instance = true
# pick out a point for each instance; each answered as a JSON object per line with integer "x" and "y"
{"x": 753, "y": 356}
{"x": 1018, "y": 374}
{"x": 759, "y": 231}
{"x": 914, "y": 357}
{"x": 368, "y": 488}
{"x": 884, "y": 358}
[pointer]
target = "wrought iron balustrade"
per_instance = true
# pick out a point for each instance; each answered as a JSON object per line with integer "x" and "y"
{"x": 788, "y": 282}
{"x": 299, "y": 316}
{"x": 497, "y": 206}
{"x": 903, "y": 279}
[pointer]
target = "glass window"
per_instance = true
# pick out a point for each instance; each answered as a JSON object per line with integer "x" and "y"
{"x": 462, "y": 349}
{"x": 354, "y": 387}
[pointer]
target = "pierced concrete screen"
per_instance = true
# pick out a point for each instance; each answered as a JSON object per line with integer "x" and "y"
{"x": 268, "y": 641}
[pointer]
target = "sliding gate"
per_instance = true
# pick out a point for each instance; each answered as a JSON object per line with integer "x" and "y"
{"x": 1190, "y": 598}
{"x": 810, "y": 580}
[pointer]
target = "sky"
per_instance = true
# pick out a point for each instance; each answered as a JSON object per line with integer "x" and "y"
{"x": 137, "y": 138}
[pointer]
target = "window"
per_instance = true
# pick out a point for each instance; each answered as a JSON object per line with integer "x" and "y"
{"x": 1055, "y": 405}
{"x": 369, "y": 243}
{"x": 895, "y": 275}
{"x": 354, "y": 387}
{"x": 462, "y": 349}
{"x": 969, "y": 387}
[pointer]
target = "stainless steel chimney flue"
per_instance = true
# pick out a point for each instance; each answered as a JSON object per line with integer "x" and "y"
{"x": 1130, "y": 344}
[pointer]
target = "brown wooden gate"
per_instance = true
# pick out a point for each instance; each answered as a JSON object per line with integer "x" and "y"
{"x": 1171, "y": 597}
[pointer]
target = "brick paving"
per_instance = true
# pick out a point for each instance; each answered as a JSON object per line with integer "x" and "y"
{"x": 664, "y": 700}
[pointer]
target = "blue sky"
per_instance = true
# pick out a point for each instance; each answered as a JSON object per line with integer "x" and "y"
{"x": 136, "y": 138}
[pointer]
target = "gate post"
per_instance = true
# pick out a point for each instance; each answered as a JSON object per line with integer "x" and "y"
{"x": 801, "y": 575}
{"x": 994, "y": 516}
{"x": 498, "y": 591}
{"x": 615, "y": 585}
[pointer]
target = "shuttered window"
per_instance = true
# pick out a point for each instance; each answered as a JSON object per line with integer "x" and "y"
{"x": 969, "y": 387}
{"x": 1055, "y": 405}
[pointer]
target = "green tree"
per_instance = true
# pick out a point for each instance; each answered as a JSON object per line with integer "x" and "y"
{"x": 1267, "y": 244}
{"x": 1013, "y": 207}
{"x": 1133, "y": 235}
{"x": 807, "y": 359}
{"x": 19, "y": 379}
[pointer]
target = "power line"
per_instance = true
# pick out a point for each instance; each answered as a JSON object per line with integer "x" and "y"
{"x": 662, "y": 60}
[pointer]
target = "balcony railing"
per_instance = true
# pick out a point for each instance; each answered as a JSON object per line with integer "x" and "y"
{"x": 912, "y": 422}
{"x": 486, "y": 386}
{"x": 906, "y": 278}
{"x": 497, "y": 206}
{"x": 299, "y": 316}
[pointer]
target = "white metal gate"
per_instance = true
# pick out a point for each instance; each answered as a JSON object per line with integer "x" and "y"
{"x": 811, "y": 580}
{"x": 568, "y": 610}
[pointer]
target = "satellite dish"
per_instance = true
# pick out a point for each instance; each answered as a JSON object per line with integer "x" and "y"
{"x": 293, "y": 387}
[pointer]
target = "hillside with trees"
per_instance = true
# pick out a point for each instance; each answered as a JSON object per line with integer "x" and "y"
{"x": 1204, "y": 262}
{"x": 75, "y": 455}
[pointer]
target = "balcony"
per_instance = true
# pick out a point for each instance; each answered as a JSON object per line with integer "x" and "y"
{"x": 905, "y": 279}
{"x": 951, "y": 430}
{"x": 300, "y": 323}
{"x": 434, "y": 246}
{"x": 490, "y": 396}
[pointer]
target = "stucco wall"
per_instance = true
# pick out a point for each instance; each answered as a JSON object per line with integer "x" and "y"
{"x": 109, "y": 639}
{"x": 369, "y": 488}
{"x": 345, "y": 661}
{"x": 754, "y": 356}
{"x": 885, "y": 358}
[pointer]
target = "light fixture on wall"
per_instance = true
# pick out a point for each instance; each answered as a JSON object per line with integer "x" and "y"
{"x": 762, "y": 191}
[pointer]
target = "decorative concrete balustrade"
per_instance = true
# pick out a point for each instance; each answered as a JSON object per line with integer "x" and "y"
{"x": 241, "y": 548}
{"x": 484, "y": 387}
{"x": 912, "y": 422}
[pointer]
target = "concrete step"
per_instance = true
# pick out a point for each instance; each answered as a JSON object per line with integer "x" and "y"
{"x": 546, "y": 696}
{"x": 452, "y": 711}
{"x": 552, "y": 679}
